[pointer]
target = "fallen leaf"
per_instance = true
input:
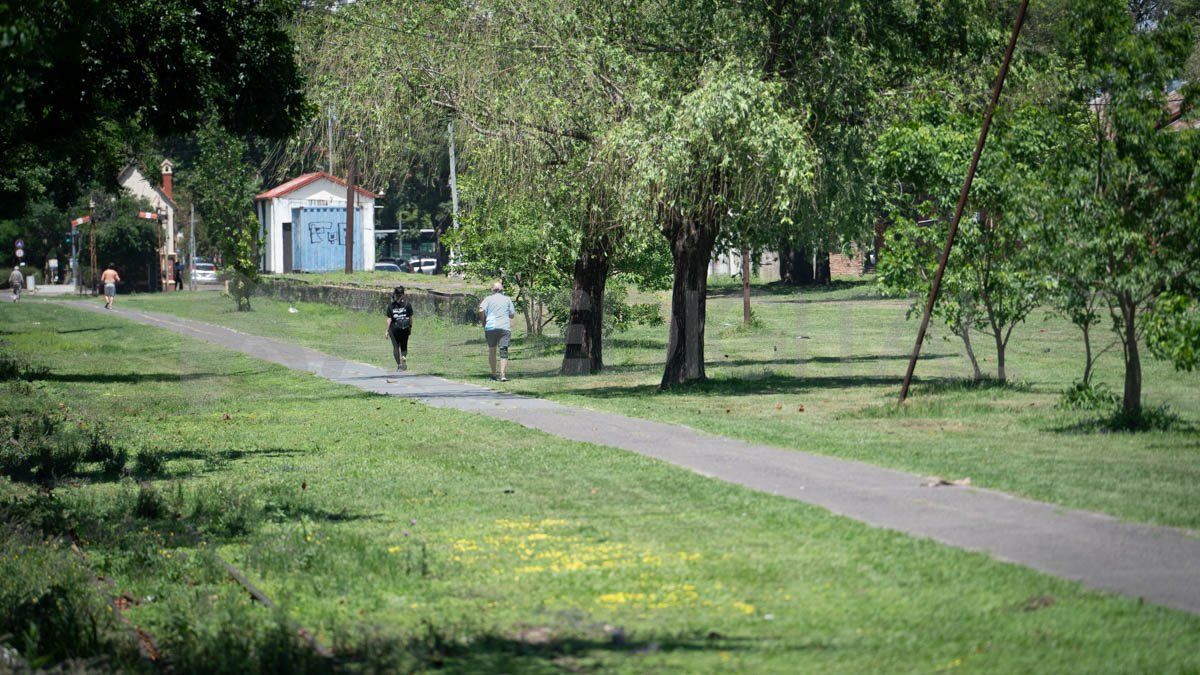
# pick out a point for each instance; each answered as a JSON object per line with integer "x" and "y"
{"x": 800, "y": 409}
{"x": 779, "y": 406}
{"x": 225, "y": 416}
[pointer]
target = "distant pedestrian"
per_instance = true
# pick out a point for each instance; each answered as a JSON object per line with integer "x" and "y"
{"x": 399, "y": 326}
{"x": 178, "y": 269}
{"x": 110, "y": 279}
{"x": 497, "y": 311}
{"x": 17, "y": 281}
{"x": 53, "y": 265}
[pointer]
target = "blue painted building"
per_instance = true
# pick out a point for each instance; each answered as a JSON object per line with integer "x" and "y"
{"x": 319, "y": 238}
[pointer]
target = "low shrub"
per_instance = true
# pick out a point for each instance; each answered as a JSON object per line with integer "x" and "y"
{"x": 149, "y": 463}
{"x": 1087, "y": 396}
{"x": 51, "y": 615}
{"x": 225, "y": 510}
{"x": 40, "y": 447}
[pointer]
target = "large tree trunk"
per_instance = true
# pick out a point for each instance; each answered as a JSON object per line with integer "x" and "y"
{"x": 1131, "y": 403}
{"x": 585, "y": 329}
{"x": 691, "y": 247}
{"x": 795, "y": 266}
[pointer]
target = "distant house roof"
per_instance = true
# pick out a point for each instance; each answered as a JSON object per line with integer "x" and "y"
{"x": 300, "y": 181}
{"x": 134, "y": 167}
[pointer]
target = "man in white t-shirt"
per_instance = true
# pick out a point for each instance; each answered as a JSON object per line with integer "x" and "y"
{"x": 16, "y": 280}
{"x": 497, "y": 311}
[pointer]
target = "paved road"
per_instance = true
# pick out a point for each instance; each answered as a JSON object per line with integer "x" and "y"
{"x": 1158, "y": 564}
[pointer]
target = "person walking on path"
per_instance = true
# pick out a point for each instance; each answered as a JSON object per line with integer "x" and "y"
{"x": 178, "y": 270}
{"x": 399, "y": 326}
{"x": 17, "y": 281}
{"x": 110, "y": 279}
{"x": 497, "y": 311}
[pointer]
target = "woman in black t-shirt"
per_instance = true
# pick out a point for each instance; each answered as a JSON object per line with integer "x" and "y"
{"x": 399, "y": 326}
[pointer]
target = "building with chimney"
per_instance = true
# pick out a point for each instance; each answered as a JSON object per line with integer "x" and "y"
{"x": 161, "y": 199}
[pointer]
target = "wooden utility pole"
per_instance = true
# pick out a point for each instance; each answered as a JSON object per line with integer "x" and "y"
{"x": 455, "y": 263}
{"x": 350, "y": 215}
{"x": 192, "y": 249}
{"x": 746, "y": 286}
{"x": 962, "y": 198}
{"x": 163, "y": 277}
{"x": 92, "y": 242}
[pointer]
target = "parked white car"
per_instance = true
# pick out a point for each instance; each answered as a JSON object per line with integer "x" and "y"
{"x": 206, "y": 273}
{"x": 424, "y": 265}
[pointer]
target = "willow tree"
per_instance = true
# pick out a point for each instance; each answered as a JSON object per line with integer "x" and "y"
{"x": 726, "y": 156}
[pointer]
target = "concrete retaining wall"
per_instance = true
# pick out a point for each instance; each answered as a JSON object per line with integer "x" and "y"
{"x": 456, "y": 307}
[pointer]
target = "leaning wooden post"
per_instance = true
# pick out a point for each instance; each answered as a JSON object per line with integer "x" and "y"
{"x": 962, "y": 198}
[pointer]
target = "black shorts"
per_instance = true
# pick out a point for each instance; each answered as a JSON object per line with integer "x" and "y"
{"x": 498, "y": 337}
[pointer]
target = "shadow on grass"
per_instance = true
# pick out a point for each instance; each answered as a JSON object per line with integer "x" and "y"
{"x": 89, "y": 329}
{"x": 745, "y": 386}
{"x": 961, "y": 385}
{"x": 134, "y": 378}
{"x": 1159, "y": 419}
{"x": 535, "y": 649}
{"x": 750, "y": 363}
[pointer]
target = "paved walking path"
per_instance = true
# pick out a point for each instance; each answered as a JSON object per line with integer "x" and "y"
{"x": 1159, "y": 564}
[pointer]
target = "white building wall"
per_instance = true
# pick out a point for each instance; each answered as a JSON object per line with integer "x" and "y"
{"x": 321, "y": 192}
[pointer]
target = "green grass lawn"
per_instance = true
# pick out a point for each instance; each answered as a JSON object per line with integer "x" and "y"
{"x": 413, "y": 538}
{"x": 840, "y": 354}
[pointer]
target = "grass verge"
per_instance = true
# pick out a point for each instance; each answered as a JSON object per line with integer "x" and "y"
{"x": 820, "y": 373}
{"x": 413, "y": 538}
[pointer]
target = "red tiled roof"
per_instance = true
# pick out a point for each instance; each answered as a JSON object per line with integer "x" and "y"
{"x": 300, "y": 181}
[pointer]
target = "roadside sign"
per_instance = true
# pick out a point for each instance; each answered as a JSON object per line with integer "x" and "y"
{"x": 147, "y": 215}
{"x": 20, "y": 253}
{"x": 20, "y": 243}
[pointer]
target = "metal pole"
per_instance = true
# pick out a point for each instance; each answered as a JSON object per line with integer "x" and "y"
{"x": 962, "y": 198}
{"x": 455, "y": 263}
{"x": 329, "y": 111}
{"x": 92, "y": 239}
{"x": 192, "y": 250}
{"x": 74, "y": 260}
{"x": 350, "y": 216}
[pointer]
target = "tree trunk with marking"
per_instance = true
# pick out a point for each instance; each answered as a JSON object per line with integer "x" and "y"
{"x": 585, "y": 330}
{"x": 691, "y": 248}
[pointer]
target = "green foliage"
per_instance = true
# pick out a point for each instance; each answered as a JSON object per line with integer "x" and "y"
{"x": 148, "y": 463}
{"x": 223, "y": 186}
{"x": 1121, "y": 218}
{"x": 728, "y": 154}
{"x": 40, "y": 447}
{"x": 1087, "y": 396}
{"x": 1172, "y": 329}
{"x": 996, "y": 274}
{"x": 123, "y": 239}
{"x": 84, "y": 80}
